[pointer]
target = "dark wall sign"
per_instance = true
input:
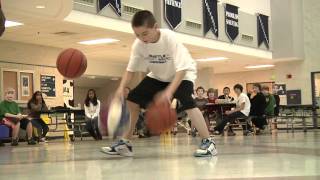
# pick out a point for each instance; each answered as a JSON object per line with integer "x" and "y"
{"x": 48, "y": 85}
{"x": 294, "y": 97}
{"x": 172, "y": 12}
{"x": 210, "y": 17}
{"x": 263, "y": 29}
{"x": 115, "y": 4}
{"x": 232, "y": 21}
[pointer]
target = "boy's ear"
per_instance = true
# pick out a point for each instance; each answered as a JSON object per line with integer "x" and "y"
{"x": 156, "y": 26}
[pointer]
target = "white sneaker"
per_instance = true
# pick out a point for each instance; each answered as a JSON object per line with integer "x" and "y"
{"x": 207, "y": 148}
{"x": 122, "y": 148}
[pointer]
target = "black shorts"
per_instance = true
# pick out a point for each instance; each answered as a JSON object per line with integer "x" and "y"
{"x": 143, "y": 94}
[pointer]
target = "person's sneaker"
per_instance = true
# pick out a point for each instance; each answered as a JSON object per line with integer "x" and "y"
{"x": 14, "y": 142}
{"x": 123, "y": 148}
{"x": 207, "y": 148}
{"x": 248, "y": 133}
{"x": 1, "y": 143}
{"x": 43, "y": 140}
{"x": 31, "y": 141}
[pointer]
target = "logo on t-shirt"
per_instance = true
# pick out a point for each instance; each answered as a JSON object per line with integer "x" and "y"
{"x": 158, "y": 59}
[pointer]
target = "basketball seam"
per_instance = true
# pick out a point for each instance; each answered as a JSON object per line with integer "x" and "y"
{"x": 76, "y": 73}
{"x": 67, "y": 67}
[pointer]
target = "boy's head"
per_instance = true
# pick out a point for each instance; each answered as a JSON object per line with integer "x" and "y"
{"x": 9, "y": 94}
{"x": 211, "y": 94}
{"x": 145, "y": 26}
{"x": 238, "y": 89}
{"x": 200, "y": 91}
{"x": 226, "y": 91}
{"x": 265, "y": 90}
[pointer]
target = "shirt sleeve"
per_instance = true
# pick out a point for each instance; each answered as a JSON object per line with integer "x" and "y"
{"x": 182, "y": 58}
{"x": 136, "y": 61}
{"x": 242, "y": 99}
{"x": 17, "y": 108}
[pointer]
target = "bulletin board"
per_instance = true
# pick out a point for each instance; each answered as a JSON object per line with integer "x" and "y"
{"x": 10, "y": 80}
{"x": 48, "y": 85}
{"x": 26, "y": 85}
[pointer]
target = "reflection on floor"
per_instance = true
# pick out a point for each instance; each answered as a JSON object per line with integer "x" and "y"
{"x": 281, "y": 156}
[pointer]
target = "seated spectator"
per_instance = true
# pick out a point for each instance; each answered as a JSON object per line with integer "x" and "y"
{"x": 277, "y": 99}
{"x": 92, "y": 114}
{"x": 270, "y": 100}
{"x": 226, "y": 95}
{"x": 35, "y": 106}
{"x": 225, "y": 98}
{"x": 258, "y": 106}
{"x": 242, "y": 110}
{"x": 11, "y": 116}
{"x": 200, "y": 99}
{"x": 211, "y": 96}
{"x": 201, "y": 102}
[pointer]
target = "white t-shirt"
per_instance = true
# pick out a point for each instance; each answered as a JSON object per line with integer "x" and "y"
{"x": 92, "y": 111}
{"x": 163, "y": 58}
{"x": 243, "y": 98}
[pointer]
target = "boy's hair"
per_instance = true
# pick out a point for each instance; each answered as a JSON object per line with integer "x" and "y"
{"x": 143, "y": 18}
{"x": 265, "y": 88}
{"x": 200, "y": 87}
{"x": 238, "y": 86}
{"x": 257, "y": 85}
{"x": 226, "y": 88}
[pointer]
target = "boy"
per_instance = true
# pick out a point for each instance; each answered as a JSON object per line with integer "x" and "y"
{"x": 11, "y": 116}
{"x": 242, "y": 110}
{"x": 172, "y": 72}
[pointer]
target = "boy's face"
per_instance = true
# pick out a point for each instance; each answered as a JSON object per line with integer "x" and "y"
{"x": 146, "y": 34}
{"x": 211, "y": 95}
{"x": 200, "y": 92}
{"x": 237, "y": 91}
{"x": 265, "y": 92}
{"x": 9, "y": 95}
{"x": 226, "y": 92}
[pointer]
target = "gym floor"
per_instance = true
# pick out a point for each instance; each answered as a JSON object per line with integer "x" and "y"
{"x": 282, "y": 156}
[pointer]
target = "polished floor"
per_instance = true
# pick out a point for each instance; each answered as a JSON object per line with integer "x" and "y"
{"x": 281, "y": 156}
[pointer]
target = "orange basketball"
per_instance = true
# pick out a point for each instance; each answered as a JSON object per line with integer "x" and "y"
{"x": 71, "y": 63}
{"x": 160, "y": 117}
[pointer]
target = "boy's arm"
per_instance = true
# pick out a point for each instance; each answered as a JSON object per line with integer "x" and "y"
{"x": 126, "y": 78}
{"x": 173, "y": 86}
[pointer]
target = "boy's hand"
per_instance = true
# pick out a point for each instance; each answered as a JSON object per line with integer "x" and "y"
{"x": 119, "y": 93}
{"x": 164, "y": 96}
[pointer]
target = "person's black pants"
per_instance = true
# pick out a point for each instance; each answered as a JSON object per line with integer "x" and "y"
{"x": 41, "y": 125}
{"x": 92, "y": 128}
{"x": 231, "y": 119}
{"x": 259, "y": 121}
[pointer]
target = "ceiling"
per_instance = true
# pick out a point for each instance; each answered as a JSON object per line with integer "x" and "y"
{"x": 61, "y": 34}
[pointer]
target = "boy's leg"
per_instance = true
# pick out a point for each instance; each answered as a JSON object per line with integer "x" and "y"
{"x": 138, "y": 98}
{"x": 198, "y": 122}
{"x": 27, "y": 125}
{"x": 184, "y": 95}
{"x": 134, "y": 110}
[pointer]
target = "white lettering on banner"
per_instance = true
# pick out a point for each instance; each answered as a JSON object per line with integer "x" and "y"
{"x": 232, "y": 15}
{"x": 232, "y": 23}
{"x": 173, "y": 3}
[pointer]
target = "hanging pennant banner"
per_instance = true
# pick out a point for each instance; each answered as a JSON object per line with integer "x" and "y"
{"x": 232, "y": 21}
{"x": 172, "y": 9}
{"x": 115, "y": 4}
{"x": 2, "y": 21}
{"x": 210, "y": 17}
{"x": 263, "y": 29}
